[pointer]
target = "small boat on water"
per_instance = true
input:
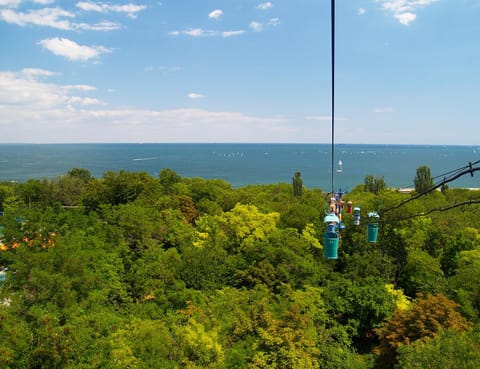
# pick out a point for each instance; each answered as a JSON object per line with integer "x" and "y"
{"x": 340, "y": 167}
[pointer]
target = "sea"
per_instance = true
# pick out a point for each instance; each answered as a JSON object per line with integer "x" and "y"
{"x": 245, "y": 164}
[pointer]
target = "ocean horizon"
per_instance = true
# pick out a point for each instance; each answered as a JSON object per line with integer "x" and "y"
{"x": 242, "y": 164}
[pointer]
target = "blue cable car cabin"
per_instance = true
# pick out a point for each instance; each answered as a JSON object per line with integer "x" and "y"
{"x": 372, "y": 228}
{"x": 331, "y": 236}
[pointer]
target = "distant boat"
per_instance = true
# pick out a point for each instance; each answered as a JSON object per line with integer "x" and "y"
{"x": 340, "y": 167}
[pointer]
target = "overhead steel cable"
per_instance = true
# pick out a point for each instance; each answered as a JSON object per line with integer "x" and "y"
{"x": 332, "y": 22}
{"x": 456, "y": 170}
{"x": 467, "y": 170}
{"x": 456, "y": 205}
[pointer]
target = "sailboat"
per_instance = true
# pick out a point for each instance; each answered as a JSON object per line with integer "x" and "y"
{"x": 340, "y": 167}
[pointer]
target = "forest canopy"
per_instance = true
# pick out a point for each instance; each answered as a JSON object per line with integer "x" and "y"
{"x": 133, "y": 271}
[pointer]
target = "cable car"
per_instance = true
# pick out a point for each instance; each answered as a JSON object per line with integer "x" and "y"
{"x": 331, "y": 236}
{"x": 349, "y": 206}
{"x": 356, "y": 216}
{"x": 372, "y": 227}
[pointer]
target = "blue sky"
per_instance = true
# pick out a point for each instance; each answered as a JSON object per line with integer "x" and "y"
{"x": 407, "y": 71}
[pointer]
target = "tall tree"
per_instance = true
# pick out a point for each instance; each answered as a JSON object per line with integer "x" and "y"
{"x": 297, "y": 184}
{"x": 423, "y": 180}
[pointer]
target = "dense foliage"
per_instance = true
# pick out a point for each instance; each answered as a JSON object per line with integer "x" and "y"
{"x": 131, "y": 271}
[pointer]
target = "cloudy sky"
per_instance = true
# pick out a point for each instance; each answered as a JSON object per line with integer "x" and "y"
{"x": 407, "y": 71}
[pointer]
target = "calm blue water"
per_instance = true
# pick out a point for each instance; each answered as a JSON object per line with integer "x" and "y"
{"x": 242, "y": 164}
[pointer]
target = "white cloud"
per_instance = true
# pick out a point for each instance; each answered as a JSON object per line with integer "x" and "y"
{"x": 215, "y": 14}
{"x": 85, "y": 101}
{"x": 32, "y": 110}
{"x": 274, "y": 22}
{"x": 37, "y": 72}
{"x": 265, "y": 6}
{"x": 405, "y": 18}
{"x": 90, "y": 7}
{"x": 199, "y": 32}
{"x": 404, "y": 10}
{"x": 130, "y": 9}
{"x": 194, "y": 32}
{"x": 26, "y": 96}
{"x": 256, "y": 26}
{"x": 44, "y": 2}
{"x": 101, "y": 26}
{"x": 53, "y": 17}
{"x": 195, "y": 96}
{"x": 50, "y": 17}
{"x": 71, "y": 50}
{"x": 10, "y": 3}
{"x": 232, "y": 33}
{"x": 361, "y": 11}
{"x": 383, "y": 110}
{"x": 84, "y": 88}
{"x": 28, "y": 90}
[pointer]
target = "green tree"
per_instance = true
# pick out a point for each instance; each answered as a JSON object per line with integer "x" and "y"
{"x": 423, "y": 180}
{"x": 297, "y": 184}
{"x": 374, "y": 184}
{"x": 68, "y": 189}
{"x": 5, "y": 192}
{"x": 298, "y": 215}
{"x": 124, "y": 187}
{"x": 450, "y": 349}
{"x": 422, "y": 274}
{"x": 200, "y": 346}
{"x": 427, "y": 317}
{"x": 360, "y": 306}
{"x": 245, "y": 224}
{"x": 464, "y": 291}
{"x": 460, "y": 238}
{"x": 204, "y": 268}
{"x": 81, "y": 173}
{"x": 143, "y": 344}
{"x": 15, "y": 339}
{"x": 35, "y": 193}
{"x": 94, "y": 196}
{"x": 168, "y": 179}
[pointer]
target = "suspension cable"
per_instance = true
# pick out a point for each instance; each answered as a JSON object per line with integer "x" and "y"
{"x": 456, "y": 205}
{"x": 456, "y": 170}
{"x": 333, "y": 87}
{"x": 469, "y": 169}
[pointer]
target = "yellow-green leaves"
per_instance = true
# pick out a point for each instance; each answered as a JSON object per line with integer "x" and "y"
{"x": 401, "y": 301}
{"x": 247, "y": 224}
{"x": 309, "y": 235}
{"x": 243, "y": 225}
